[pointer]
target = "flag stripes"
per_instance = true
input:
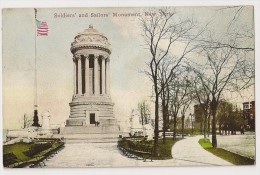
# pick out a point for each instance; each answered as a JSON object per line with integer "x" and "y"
{"x": 42, "y": 28}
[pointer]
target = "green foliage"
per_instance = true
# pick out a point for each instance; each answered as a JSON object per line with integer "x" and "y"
{"x": 226, "y": 155}
{"x": 205, "y": 144}
{"x": 36, "y": 149}
{"x": 229, "y": 116}
{"x": 165, "y": 150}
{"x": 19, "y": 149}
{"x": 199, "y": 112}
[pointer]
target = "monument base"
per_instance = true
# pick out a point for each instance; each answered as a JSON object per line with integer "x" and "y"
{"x": 78, "y": 126}
{"x": 91, "y": 133}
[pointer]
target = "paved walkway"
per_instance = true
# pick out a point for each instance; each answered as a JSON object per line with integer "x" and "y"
{"x": 189, "y": 152}
{"x": 186, "y": 152}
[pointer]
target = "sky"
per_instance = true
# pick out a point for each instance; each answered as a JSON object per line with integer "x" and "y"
{"x": 129, "y": 85}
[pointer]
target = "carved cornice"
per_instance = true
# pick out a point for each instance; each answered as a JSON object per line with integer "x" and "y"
{"x": 87, "y": 56}
{"x": 90, "y": 37}
{"x": 90, "y": 103}
{"x": 87, "y": 46}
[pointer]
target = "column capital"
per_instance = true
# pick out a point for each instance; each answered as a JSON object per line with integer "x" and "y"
{"x": 104, "y": 56}
{"x": 96, "y": 56}
{"x": 77, "y": 57}
{"x": 86, "y": 56}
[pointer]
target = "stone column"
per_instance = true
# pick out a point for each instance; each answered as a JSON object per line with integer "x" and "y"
{"x": 79, "y": 76}
{"x": 108, "y": 76}
{"x": 96, "y": 88}
{"x": 103, "y": 76}
{"x": 87, "y": 75}
{"x": 87, "y": 117}
{"x": 74, "y": 76}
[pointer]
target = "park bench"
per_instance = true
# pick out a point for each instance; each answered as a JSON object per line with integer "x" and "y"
{"x": 40, "y": 159}
{"x": 37, "y": 149}
{"x": 136, "y": 150}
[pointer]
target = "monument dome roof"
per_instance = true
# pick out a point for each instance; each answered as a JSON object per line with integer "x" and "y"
{"x": 90, "y": 38}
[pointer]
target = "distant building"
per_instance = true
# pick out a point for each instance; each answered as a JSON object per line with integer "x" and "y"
{"x": 199, "y": 112}
{"x": 249, "y": 115}
{"x": 198, "y": 117}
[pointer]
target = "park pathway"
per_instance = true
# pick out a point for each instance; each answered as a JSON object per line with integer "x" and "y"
{"x": 188, "y": 151}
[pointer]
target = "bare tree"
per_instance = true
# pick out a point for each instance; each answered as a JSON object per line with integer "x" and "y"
{"x": 222, "y": 72}
{"x": 202, "y": 96}
{"x": 180, "y": 96}
{"x": 187, "y": 100}
{"x": 160, "y": 32}
{"x": 144, "y": 110}
{"x": 228, "y": 64}
{"x": 165, "y": 98}
{"x": 165, "y": 73}
{"x": 235, "y": 30}
{"x": 26, "y": 121}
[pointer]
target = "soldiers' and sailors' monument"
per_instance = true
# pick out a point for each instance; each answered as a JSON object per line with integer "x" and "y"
{"x": 91, "y": 108}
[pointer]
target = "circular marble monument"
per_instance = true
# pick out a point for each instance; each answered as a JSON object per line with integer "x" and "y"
{"x": 91, "y": 103}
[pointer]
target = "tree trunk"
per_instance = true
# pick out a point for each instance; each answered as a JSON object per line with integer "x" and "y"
{"x": 164, "y": 119}
{"x": 205, "y": 127}
{"x": 156, "y": 132}
{"x": 174, "y": 126}
{"x": 24, "y": 122}
{"x": 214, "y": 134}
{"x": 201, "y": 124}
{"x": 208, "y": 125}
{"x": 219, "y": 129}
{"x": 182, "y": 125}
{"x": 225, "y": 129}
{"x": 214, "y": 111}
{"x": 142, "y": 116}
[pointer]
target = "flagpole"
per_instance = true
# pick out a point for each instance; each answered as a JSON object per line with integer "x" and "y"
{"x": 35, "y": 117}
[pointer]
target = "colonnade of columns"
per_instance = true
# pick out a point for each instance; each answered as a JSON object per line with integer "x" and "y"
{"x": 91, "y": 75}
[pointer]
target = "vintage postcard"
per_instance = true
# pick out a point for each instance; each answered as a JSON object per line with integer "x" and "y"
{"x": 128, "y": 87}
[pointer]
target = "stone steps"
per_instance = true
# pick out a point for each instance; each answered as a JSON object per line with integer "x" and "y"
{"x": 90, "y": 138}
{"x": 89, "y": 129}
{"x": 81, "y": 129}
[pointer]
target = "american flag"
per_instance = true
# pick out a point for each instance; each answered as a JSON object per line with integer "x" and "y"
{"x": 42, "y": 28}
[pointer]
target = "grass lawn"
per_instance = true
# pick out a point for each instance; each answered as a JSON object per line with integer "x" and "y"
{"x": 165, "y": 150}
{"x": 226, "y": 155}
{"x": 142, "y": 147}
{"x": 18, "y": 149}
